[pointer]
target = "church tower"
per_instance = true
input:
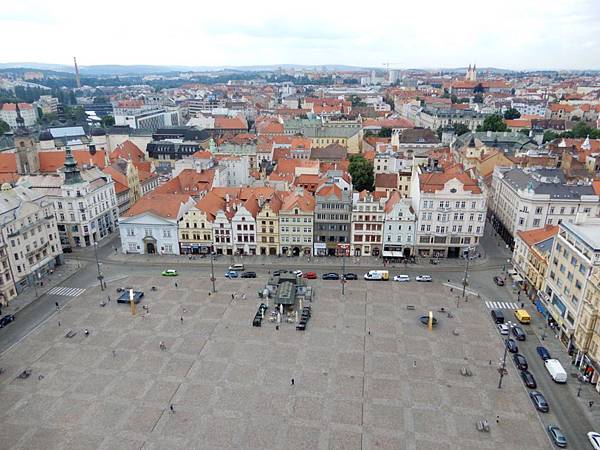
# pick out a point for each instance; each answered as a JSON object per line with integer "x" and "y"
{"x": 471, "y": 73}
{"x": 28, "y": 161}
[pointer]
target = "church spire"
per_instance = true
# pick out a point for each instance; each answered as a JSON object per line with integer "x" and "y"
{"x": 21, "y": 128}
{"x": 72, "y": 174}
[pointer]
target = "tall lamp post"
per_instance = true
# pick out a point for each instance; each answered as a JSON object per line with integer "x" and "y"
{"x": 100, "y": 277}
{"x": 502, "y": 369}
{"x": 464, "y": 283}
{"x": 343, "y": 280}
{"x": 212, "y": 273}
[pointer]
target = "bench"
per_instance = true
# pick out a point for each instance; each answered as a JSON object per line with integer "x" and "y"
{"x": 482, "y": 425}
{"x": 70, "y": 334}
{"x": 410, "y": 307}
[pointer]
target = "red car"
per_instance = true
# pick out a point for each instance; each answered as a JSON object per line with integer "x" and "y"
{"x": 310, "y": 275}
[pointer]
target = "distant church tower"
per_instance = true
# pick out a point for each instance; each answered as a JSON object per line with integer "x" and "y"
{"x": 28, "y": 161}
{"x": 471, "y": 73}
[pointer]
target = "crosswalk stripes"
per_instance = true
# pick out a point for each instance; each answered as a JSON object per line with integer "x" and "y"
{"x": 501, "y": 305}
{"x": 66, "y": 291}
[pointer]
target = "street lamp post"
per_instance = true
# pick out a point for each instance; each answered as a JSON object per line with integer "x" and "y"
{"x": 212, "y": 273}
{"x": 503, "y": 368}
{"x": 343, "y": 270}
{"x": 100, "y": 277}
{"x": 468, "y": 253}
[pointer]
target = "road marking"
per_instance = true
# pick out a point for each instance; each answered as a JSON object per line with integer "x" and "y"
{"x": 500, "y": 305}
{"x": 66, "y": 291}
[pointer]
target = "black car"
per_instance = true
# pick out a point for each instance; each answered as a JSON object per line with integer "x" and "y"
{"x": 512, "y": 346}
{"x": 520, "y": 361}
{"x": 528, "y": 379}
{"x": 539, "y": 401}
{"x": 248, "y": 275}
{"x": 330, "y": 276}
{"x": 5, "y": 320}
{"x": 519, "y": 333}
{"x": 350, "y": 276}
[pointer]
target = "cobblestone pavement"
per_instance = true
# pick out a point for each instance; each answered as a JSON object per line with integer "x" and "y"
{"x": 367, "y": 374}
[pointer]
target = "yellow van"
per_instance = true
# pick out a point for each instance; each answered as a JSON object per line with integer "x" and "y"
{"x": 522, "y": 316}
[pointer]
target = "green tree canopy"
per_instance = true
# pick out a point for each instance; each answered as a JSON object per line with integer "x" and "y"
{"x": 478, "y": 98}
{"x": 460, "y": 129}
{"x": 4, "y": 127}
{"x": 495, "y": 122}
{"x": 108, "y": 121}
{"x": 511, "y": 113}
{"x": 362, "y": 173}
{"x": 385, "y": 132}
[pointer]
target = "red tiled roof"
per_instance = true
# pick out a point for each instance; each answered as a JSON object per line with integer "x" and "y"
{"x": 386, "y": 180}
{"x": 51, "y": 161}
{"x": 230, "y": 123}
{"x": 127, "y": 150}
{"x": 8, "y": 163}
{"x": 12, "y": 107}
{"x": 532, "y": 237}
{"x": 188, "y": 182}
{"x": 433, "y": 182}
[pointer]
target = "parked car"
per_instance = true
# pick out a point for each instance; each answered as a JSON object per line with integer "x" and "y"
{"x": 330, "y": 276}
{"x": 520, "y": 361}
{"x": 503, "y": 329}
{"x": 539, "y": 401}
{"x": 423, "y": 278}
{"x": 528, "y": 379}
{"x": 238, "y": 267}
{"x": 543, "y": 352}
{"x": 519, "y": 333}
{"x": 231, "y": 274}
{"x": 248, "y": 275}
{"x": 350, "y": 276}
{"x": 298, "y": 273}
{"x": 499, "y": 281}
{"x": 594, "y": 439}
{"x": 497, "y": 315}
{"x": 512, "y": 346}
{"x": 310, "y": 275}
{"x": 6, "y": 319}
{"x": 402, "y": 278}
{"x": 557, "y": 436}
{"x": 169, "y": 273}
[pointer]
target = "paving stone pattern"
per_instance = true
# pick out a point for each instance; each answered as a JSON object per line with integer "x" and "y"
{"x": 367, "y": 374}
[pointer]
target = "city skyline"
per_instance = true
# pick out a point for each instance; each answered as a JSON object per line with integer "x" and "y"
{"x": 562, "y": 35}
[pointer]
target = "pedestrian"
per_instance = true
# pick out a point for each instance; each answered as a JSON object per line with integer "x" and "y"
{"x": 86, "y": 332}
{"x": 172, "y": 408}
{"x": 176, "y": 284}
{"x": 293, "y": 382}
{"x": 59, "y": 323}
{"x": 114, "y": 354}
{"x": 244, "y": 296}
{"x": 181, "y": 319}
{"x": 415, "y": 363}
{"x": 522, "y": 305}
{"x": 490, "y": 363}
{"x": 57, "y": 307}
{"x": 497, "y": 419}
{"x": 591, "y": 403}
{"x": 232, "y": 296}
{"x": 109, "y": 298}
{"x": 369, "y": 332}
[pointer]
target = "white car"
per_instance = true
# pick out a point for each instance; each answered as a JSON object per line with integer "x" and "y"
{"x": 425, "y": 278}
{"x": 402, "y": 278}
{"x": 503, "y": 329}
{"x": 594, "y": 439}
{"x": 298, "y": 273}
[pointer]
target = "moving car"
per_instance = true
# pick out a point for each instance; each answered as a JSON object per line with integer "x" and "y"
{"x": 402, "y": 278}
{"x": 310, "y": 275}
{"x": 298, "y": 273}
{"x": 350, "y": 276}
{"x": 239, "y": 267}
{"x": 330, "y": 276}
{"x": 558, "y": 438}
{"x": 248, "y": 275}
{"x": 169, "y": 273}
{"x": 594, "y": 439}
{"x": 377, "y": 275}
{"x": 512, "y": 346}
{"x": 539, "y": 401}
{"x": 231, "y": 274}
{"x": 423, "y": 278}
{"x": 497, "y": 315}
{"x": 523, "y": 316}
{"x": 543, "y": 352}
{"x": 5, "y": 320}
{"x": 520, "y": 361}
{"x": 556, "y": 370}
{"x": 528, "y": 379}
{"x": 519, "y": 333}
{"x": 499, "y": 281}
{"x": 503, "y": 329}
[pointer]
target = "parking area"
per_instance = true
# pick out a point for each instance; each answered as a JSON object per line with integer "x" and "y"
{"x": 367, "y": 373}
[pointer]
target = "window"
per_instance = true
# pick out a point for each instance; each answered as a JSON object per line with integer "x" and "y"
{"x": 132, "y": 247}
{"x": 167, "y": 233}
{"x": 536, "y": 223}
{"x": 168, "y": 247}
{"x": 538, "y": 210}
{"x": 130, "y": 232}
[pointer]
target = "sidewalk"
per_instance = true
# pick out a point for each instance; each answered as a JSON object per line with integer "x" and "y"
{"x": 28, "y": 295}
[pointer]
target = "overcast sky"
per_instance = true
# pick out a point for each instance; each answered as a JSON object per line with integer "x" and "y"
{"x": 516, "y": 34}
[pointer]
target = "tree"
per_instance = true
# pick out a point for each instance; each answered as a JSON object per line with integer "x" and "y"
{"x": 362, "y": 173}
{"x": 495, "y": 122}
{"x": 549, "y": 136}
{"x": 108, "y": 121}
{"x": 511, "y": 113}
{"x": 478, "y": 89}
{"x": 385, "y": 132}
{"x": 478, "y": 98}
{"x": 460, "y": 129}
{"x": 4, "y": 127}
{"x": 357, "y": 101}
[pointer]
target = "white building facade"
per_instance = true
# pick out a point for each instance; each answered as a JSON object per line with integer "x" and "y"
{"x": 398, "y": 228}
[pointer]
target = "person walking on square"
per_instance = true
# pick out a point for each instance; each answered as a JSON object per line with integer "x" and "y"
{"x": 57, "y": 307}
{"x": 293, "y": 382}
{"x": 591, "y": 403}
{"x": 172, "y": 408}
{"x": 176, "y": 284}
